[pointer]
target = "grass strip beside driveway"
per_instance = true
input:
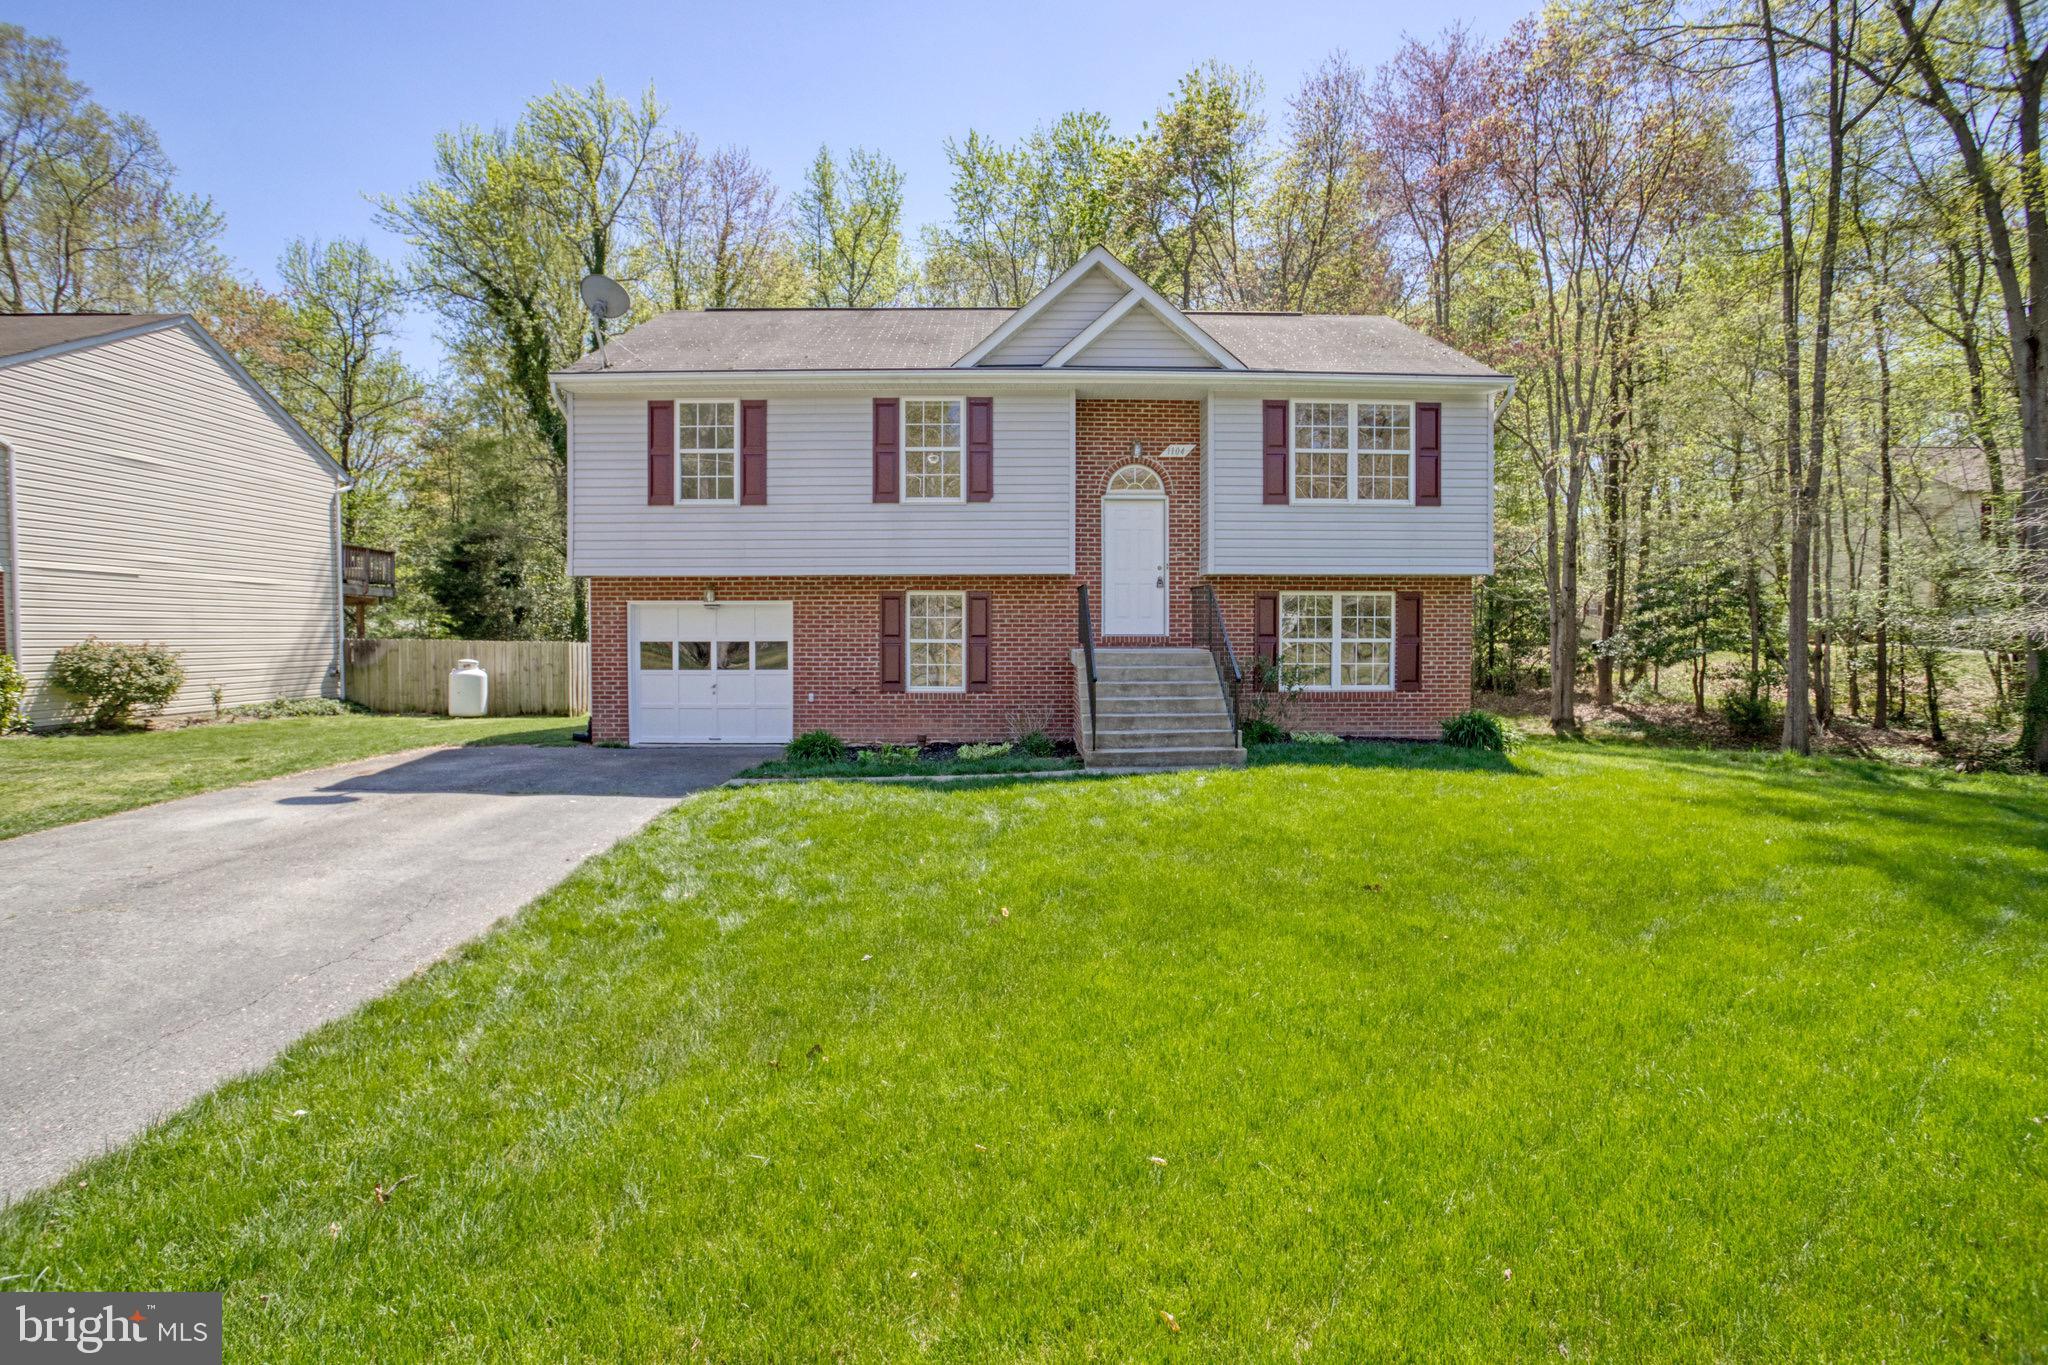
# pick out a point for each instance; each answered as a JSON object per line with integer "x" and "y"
{"x": 50, "y": 780}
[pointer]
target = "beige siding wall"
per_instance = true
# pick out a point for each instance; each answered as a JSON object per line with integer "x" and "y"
{"x": 820, "y": 516}
{"x": 157, "y": 499}
{"x": 1243, "y": 535}
{"x": 1063, "y": 319}
{"x": 1140, "y": 339}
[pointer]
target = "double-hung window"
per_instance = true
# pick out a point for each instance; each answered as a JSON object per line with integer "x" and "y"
{"x": 937, "y": 641}
{"x": 1337, "y": 640}
{"x": 705, "y": 442}
{"x": 1353, "y": 452}
{"x": 934, "y": 449}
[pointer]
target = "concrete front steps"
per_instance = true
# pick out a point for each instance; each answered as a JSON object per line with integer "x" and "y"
{"x": 1156, "y": 708}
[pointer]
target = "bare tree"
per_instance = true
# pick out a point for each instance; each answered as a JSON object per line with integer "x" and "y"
{"x": 1432, "y": 136}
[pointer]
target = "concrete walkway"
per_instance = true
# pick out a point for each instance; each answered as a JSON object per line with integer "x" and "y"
{"x": 147, "y": 957}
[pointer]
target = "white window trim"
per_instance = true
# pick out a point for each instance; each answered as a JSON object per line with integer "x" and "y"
{"x": 676, "y": 444}
{"x": 903, "y": 403}
{"x": 1336, "y": 639}
{"x": 910, "y": 640}
{"x": 1351, "y": 454}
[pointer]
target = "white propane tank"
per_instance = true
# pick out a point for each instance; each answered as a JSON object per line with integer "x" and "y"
{"x": 469, "y": 689}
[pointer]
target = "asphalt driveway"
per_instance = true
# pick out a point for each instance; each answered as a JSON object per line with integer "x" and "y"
{"x": 149, "y": 956}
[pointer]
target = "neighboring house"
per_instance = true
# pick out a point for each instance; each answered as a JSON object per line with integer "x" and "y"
{"x": 1946, "y": 490}
{"x": 885, "y": 522}
{"x": 153, "y": 492}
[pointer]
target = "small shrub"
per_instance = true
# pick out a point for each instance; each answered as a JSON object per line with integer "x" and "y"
{"x": 1027, "y": 721}
{"x": 13, "y": 697}
{"x": 216, "y": 692}
{"x": 1314, "y": 737}
{"x": 1038, "y": 744}
{"x": 815, "y": 746}
{"x": 1261, "y": 730}
{"x": 1747, "y": 716}
{"x": 971, "y": 751}
{"x": 1267, "y": 701}
{"x": 1476, "y": 730}
{"x": 284, "y": 708}
{"x": 115, "y": 684}
{"x": 887, "y": 753}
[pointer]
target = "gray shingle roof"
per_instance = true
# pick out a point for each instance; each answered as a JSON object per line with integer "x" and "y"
{"x": 799, "y": 339}
{"x": 21, "y": 333}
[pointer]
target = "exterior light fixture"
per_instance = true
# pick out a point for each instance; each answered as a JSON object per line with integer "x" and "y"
{"x": 710, "y": 597}
{"x": 1137, "y": 450}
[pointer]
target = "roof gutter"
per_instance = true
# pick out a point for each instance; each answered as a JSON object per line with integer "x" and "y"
{"x": 561, "y": 380}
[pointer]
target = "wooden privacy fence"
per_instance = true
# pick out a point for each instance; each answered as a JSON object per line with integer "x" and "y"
{"x": 528, "y": 677}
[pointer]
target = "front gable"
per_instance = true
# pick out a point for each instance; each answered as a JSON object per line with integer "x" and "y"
{"x": 1064, "y": 317}
{"x": 1137, "y": 338}
{"x": 1099, "y": 307}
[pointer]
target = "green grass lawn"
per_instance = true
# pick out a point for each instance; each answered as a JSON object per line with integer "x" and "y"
{"x": 50, "y": 780}
{"x": 1586, "y": 1054}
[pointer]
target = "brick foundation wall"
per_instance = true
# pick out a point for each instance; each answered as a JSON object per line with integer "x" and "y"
{"x": 1446, "y": 656}
{"x": 1104, "y": 430}
{"x": 836, "y": 655}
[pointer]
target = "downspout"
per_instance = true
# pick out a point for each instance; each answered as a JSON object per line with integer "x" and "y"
{"x": 340, "y": 607}
{"x": 566, "y": 401}
{"x": 10, "y": 607}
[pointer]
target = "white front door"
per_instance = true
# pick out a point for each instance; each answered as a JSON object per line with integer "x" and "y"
{"x": 708, "y": 674}
{"x": 1134, "y": 566}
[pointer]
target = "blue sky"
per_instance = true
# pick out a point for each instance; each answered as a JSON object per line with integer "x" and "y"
{"x": 289, "y": 115}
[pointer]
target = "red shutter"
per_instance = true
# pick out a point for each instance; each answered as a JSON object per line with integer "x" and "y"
{"x": 1266, "y": 628}
{"x": 977, "y": 642}
{"x": 887, "y": 460}
{"x": 981, "y": 449}
{"x": 754, "y": 451}
{"x": 1429, "y": 457}
{"x": 892, "y": 642}
{"x": 661, "y": 454}
{"x": 1408, "y": 642}
{"x": 1276, "y": 450}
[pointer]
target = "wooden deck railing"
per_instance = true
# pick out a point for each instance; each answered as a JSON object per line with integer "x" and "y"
{"x": 368, "y": 573}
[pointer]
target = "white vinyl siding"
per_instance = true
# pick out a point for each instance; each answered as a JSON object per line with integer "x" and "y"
{"x": 158, "y": 499}
{"x": 1243, "y": 534}
{"x": 1060, "y": 321}
{"x": 1140, "y": 339}
{"x": 821, "y": 517}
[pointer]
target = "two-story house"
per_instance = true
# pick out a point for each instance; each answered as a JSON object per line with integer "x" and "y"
{"x": 900, "y": 523}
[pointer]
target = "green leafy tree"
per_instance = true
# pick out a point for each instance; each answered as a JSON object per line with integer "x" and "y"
{"x": 1189, "y": 185}
{"x": 337, "y": 372}
{"x": 850, "y": 230}
{"x": 90, "y": 216}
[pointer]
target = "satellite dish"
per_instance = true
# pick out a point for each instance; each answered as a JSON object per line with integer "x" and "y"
{"x": 606, "y": 299}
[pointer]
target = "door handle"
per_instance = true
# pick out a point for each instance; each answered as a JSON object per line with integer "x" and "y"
{"x": 1159, "y": 582}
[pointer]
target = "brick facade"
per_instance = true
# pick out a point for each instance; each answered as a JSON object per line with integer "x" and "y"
{"x": 1104, "y": 431}
{"x": 1446, "y": 656}
{"x": 836, "y": 651}
{"x": 836, "y": 655}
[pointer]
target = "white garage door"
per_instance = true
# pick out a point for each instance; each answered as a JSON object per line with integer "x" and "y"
{"x": 708, "y": 674}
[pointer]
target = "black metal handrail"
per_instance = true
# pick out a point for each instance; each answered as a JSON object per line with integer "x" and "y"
{"x": 1212, "y": 634}
{"x": 1088, "y": 655}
